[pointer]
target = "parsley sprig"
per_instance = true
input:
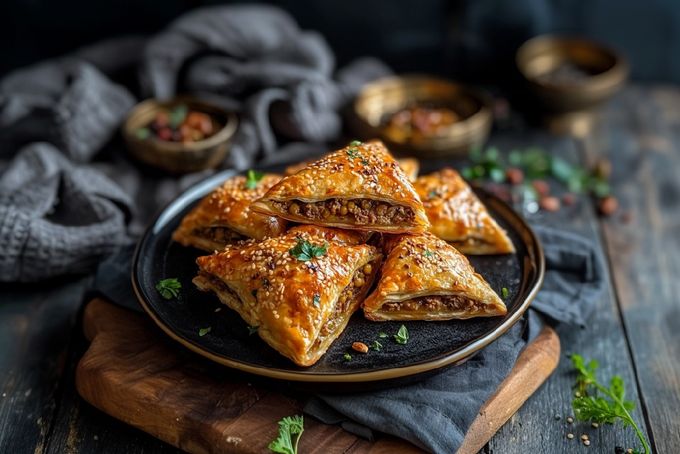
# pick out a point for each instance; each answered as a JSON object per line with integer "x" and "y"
{"x": 402, "y": 335}
{"x": 253, "y": 177}
{"x": 306, "y": 251}
{"x": 289, "y": 427}
{"x": 601, "y": 404}
{"x": 169, "y": 288}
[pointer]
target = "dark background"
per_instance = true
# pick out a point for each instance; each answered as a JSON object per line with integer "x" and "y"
{"x": 447, "y": 37}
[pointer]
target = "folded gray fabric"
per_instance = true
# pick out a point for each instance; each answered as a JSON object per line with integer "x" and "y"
{"x": 55, "y": 217}
{"x": 451, "y": 400}
{"x": 256, "y": 60}
{"x": 66, "y": 102}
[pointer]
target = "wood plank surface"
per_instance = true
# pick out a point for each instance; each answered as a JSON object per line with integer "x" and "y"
{"x": 131, "y": 372}
{"x": 640, "y": 134}
{"x": 534, "y": 428}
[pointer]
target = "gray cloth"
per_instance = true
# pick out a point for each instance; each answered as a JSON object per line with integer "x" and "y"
{"x": 451, "y": 400}
{"x": 56, "y": 217}
{"x": 252, "y": 59}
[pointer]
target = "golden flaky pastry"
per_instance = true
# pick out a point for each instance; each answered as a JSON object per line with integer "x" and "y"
{"x": 425, "y": 278}
{"x": 410, "y": 166}
{"x": 358, "y": 187}
{"x": 224, "y": 216}
{"x": 299, "y": 289}
{"x": 457, "y": 215}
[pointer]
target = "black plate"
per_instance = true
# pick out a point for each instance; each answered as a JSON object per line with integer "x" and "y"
{"x": 432, "y": 345}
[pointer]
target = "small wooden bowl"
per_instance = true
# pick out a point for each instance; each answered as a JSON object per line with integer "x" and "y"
{"x": 384, "y": 97}
{"x": 569, "y": 74}
{"x": 179, "y": 157}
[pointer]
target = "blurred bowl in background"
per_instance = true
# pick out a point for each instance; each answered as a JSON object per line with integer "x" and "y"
{"x": 422, "y": 115}
{"x": 178, "y": 156}
{"x": 569, "y": 74}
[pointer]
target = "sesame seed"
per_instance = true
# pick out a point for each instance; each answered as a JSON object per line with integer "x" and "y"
{"x": 586, "y": 442}
{"x": 584, "y": 437}
{"x": 570, "y": 419}
{"x": 570, "y": 436}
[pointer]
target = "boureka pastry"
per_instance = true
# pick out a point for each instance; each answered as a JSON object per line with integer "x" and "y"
{"x": 358, "y": 187}
{"x": 425, "y": 278}
{"x": 224, "y": 216}
{"x": 299, "y": 289}
{"x": 458, "y": 216}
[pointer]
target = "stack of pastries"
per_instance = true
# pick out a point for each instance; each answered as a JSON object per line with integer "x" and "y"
{"x": 297, "y": 255}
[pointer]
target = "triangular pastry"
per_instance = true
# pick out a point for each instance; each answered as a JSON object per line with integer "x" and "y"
{"x": 358, "y": 187}
{"x": 425, "y": 278}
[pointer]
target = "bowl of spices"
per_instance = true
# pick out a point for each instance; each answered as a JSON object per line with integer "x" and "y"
{"x": 423, "y": 115}
{"x": 570, "y": 74}
{"x": 180, "y": 135}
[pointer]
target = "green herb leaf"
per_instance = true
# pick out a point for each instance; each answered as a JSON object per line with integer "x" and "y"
{"x": 169, "y": 288}
{"x": 203, "y": 331}
{"x": 428, "y": 253}
{"x": 383, "y": 335}
{"x": 252, "y": 330}
{"x": 402, "y": 335}
{"x": 432, "y": 194}
{"x": 601, "y": 404}
{"x": 305, "y": 251}
{"x": 377, "y": 346}
{"x": 253, "y": 177}
{"x": 143, "y": 133}
{"x": 316, "y": 300}
{"x": 355, "y": 143}
{"x": 504, "y": 292}
{"x": 347, "y": 357}
{"x": 288, "y": 427}
{"x": 177, "y": 115}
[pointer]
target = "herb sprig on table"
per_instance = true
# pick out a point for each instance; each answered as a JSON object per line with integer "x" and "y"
{"x": 602, "y": 404}
{"x": 290, "y": 427}
{"x": 533, "y": 163}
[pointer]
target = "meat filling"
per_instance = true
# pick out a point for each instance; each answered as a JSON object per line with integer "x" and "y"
{"x": 222, "y": 235}
{"x": 359, "y": 211}
{"x": 433, "y": 303}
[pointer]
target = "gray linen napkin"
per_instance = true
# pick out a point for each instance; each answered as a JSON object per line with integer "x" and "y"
{"x": 56, "y": 217}
{"x": 436, "y": 413}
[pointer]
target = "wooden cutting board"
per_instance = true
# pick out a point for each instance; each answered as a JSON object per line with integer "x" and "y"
{"x": 134, "y": 373}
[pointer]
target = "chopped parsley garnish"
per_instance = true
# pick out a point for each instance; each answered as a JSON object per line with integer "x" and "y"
{"x": 355, "y": 143}
{"x": 504, "y": 292}
{"x": 253, "y": 177}
{"x": 428, "y": 253}
{"x": 316, "y": 300}
{"x": 347, "y": 357}
{"x": 252, "y": 330}
{"x": 402, "y": 335}
{"x": 353, "y": 153}
{"x": 289, "y": 427}
{"x": 169, "y": 288}
{"x": 377, "y": 346}
{"x": 383, "y": 335}
{"x": 433, "y": 194}
{"x": 203, "y": 331}
{"x": 305, "y": 251}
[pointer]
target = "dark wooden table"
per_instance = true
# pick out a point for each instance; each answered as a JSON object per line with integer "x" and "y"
{"x": 634, "y": 332}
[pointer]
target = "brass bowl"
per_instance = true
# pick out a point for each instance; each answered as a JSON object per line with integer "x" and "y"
{"x": 569, "y": 74}
{"x": 179, "y": 157}
{"x": 384, "y": 97}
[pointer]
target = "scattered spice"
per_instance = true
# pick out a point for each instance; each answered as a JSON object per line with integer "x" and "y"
{"x": 608, "y": 205}
{"x": 360, "y": 347}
